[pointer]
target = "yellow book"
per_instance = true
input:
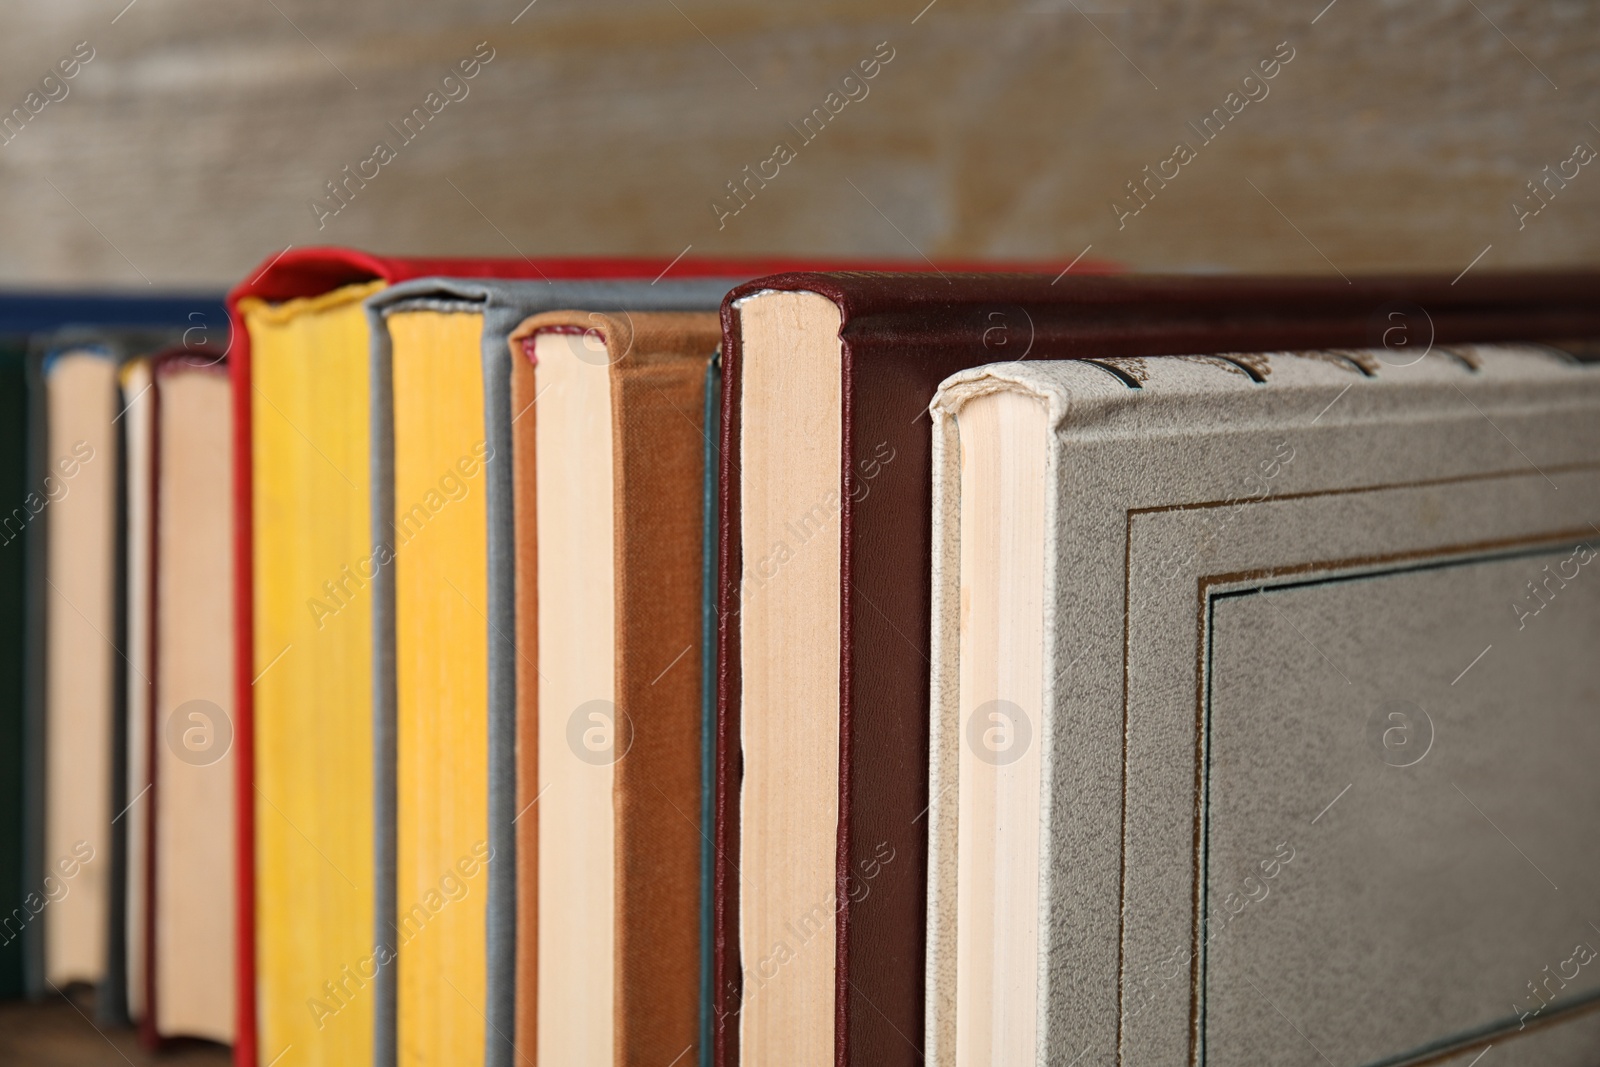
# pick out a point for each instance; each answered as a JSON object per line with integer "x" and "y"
{"x": 316, "y": 963}
{"x": 441, "y": 686}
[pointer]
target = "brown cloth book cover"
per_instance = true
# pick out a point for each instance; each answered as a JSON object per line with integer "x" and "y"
{"x": 899, "y": 337}
{"x": 657, "y": 365}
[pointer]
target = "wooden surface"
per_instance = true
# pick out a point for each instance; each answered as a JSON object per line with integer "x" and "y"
{"x": 1397, "y": 137}
{"x": 58, "y": 1032}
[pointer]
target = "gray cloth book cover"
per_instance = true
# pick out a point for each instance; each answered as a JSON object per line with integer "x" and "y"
{"x": 1263, "y": 710}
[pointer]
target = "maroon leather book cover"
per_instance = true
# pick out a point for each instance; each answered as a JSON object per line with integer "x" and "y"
{"x": 900, "y": 337}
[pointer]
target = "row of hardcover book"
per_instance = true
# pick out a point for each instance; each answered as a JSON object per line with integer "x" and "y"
{"x": 507, "y": 662}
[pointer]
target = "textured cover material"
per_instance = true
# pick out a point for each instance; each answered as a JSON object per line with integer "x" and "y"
{"x": 1317, "y": 709}
{"x": 658, "y": 365}
{"x": 200, "y": 316}
{"x": 708, "y": 698}
{"x": 502, "y": 304}
{"x": 306, "y": 272}
{"x": 35, "y": 545}
{"x": 114, "y": 990}
{"x": 658, "y": 386}
{"x": 18, "y": 510}
{"x": 900, "y": 337}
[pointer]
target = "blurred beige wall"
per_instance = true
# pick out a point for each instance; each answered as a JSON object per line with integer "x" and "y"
{"x": 1399, "y": 135}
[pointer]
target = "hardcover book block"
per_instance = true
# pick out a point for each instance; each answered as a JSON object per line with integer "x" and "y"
{"x": 1263, "y": 709}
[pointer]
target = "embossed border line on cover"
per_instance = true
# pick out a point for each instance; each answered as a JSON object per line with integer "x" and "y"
{"x": 1210, "y": 585}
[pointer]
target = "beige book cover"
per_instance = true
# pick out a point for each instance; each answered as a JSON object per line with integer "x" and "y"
{"x": 192, "y": 760}
{"x": 1263, "y": 711}
{"x": 80, "y": 660}
{"x": 138, "y": 436}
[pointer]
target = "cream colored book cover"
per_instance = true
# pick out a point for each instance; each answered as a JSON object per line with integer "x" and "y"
{"x": 81, "y": 394}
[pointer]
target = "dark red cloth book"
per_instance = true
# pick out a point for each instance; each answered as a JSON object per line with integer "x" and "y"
{"x": 895, "y": 339}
